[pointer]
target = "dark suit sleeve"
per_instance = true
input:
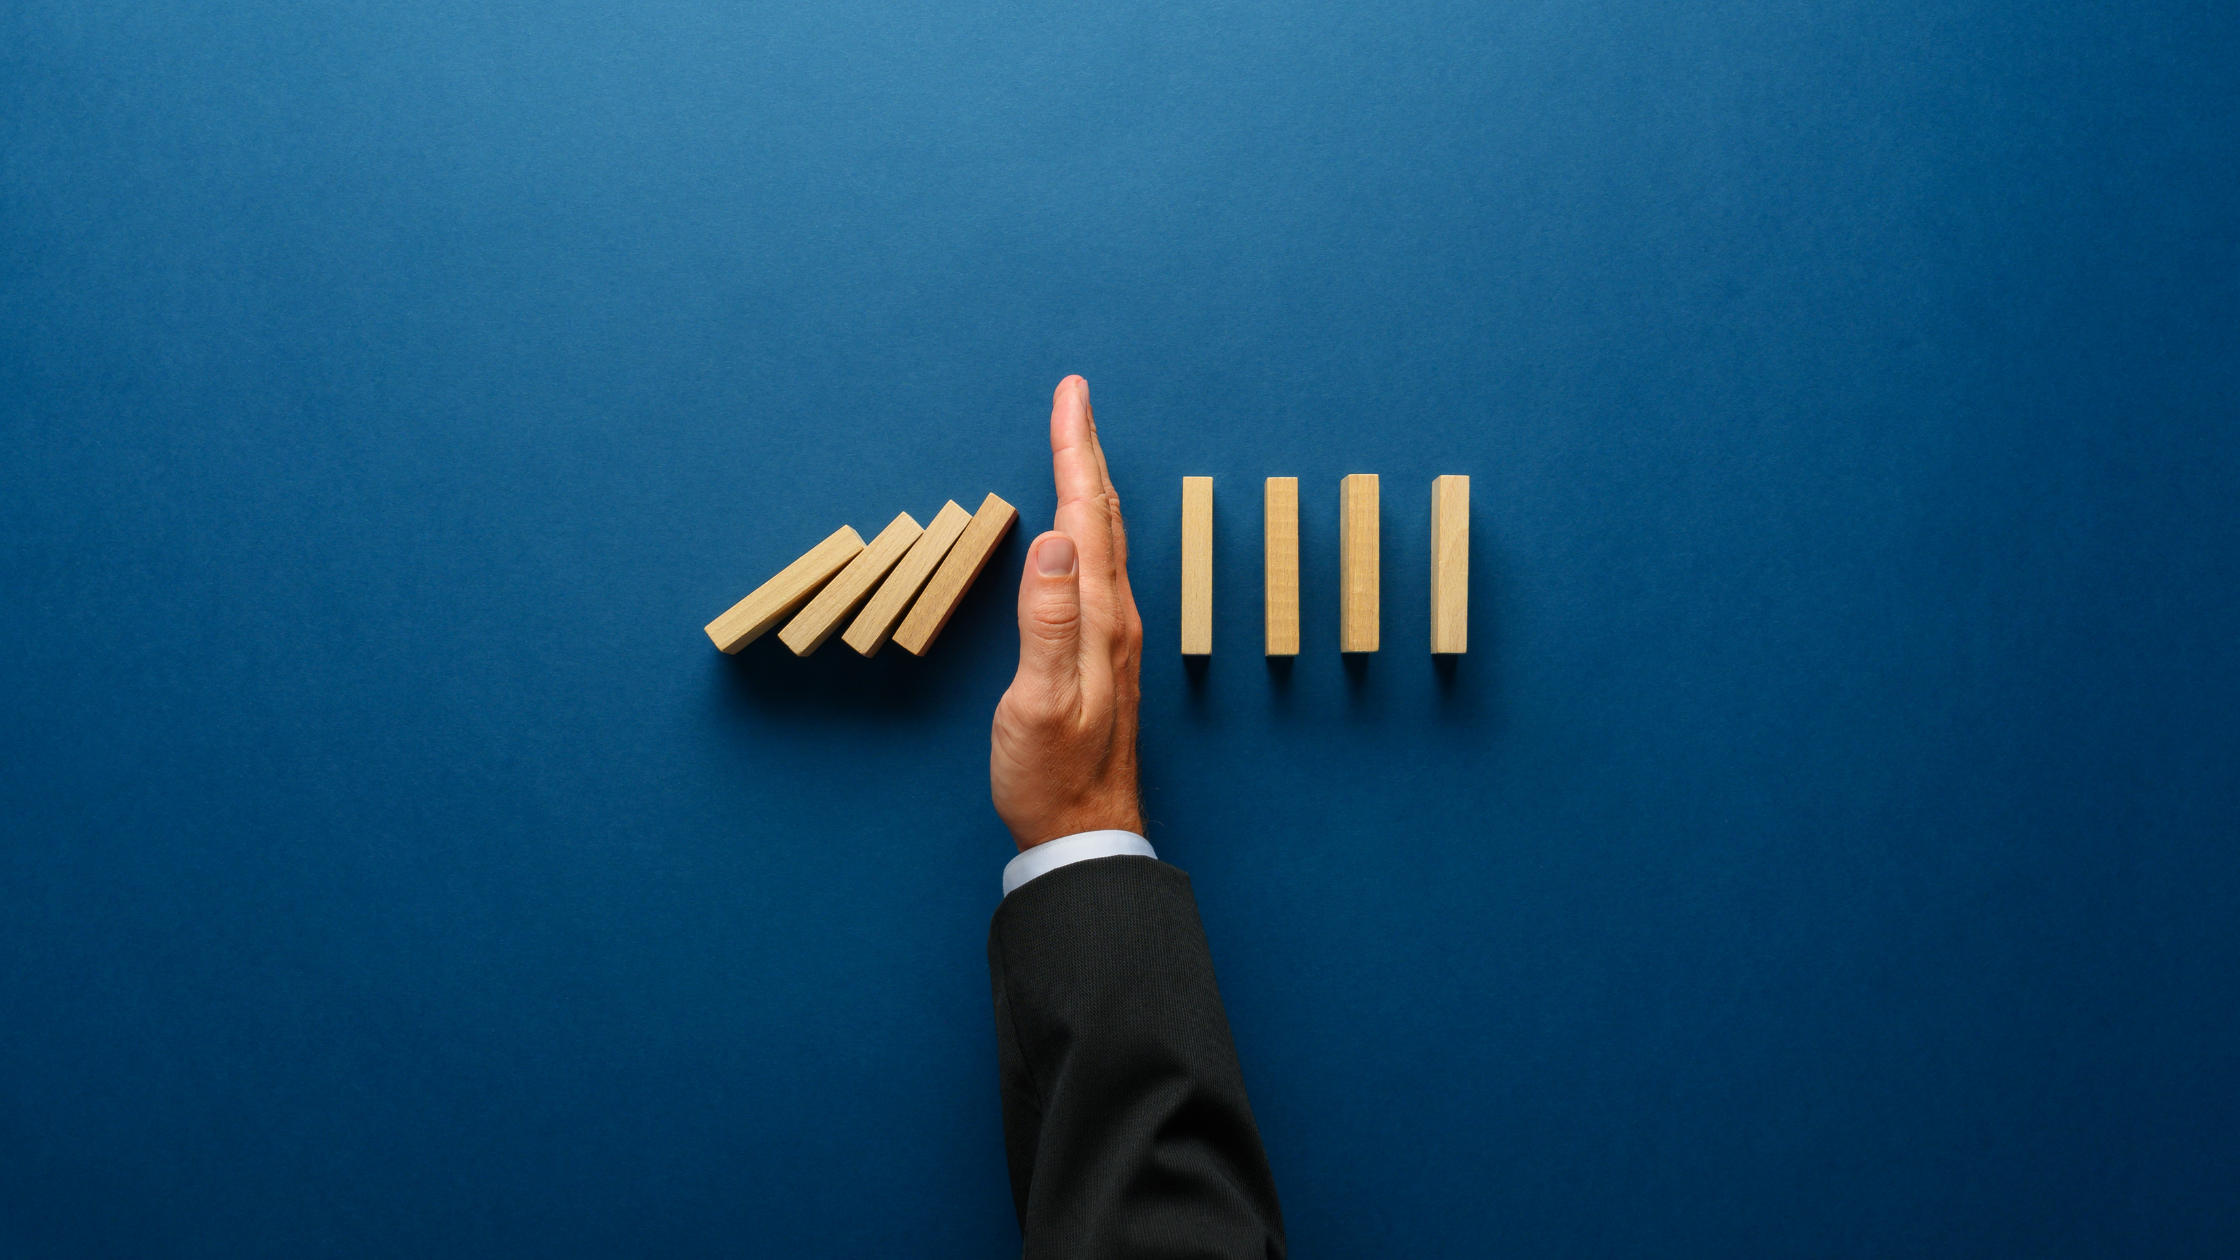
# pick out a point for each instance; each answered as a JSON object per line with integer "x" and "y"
{"x": 1124, "y": 1112}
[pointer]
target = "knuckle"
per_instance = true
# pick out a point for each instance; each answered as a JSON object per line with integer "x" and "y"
{"x": 1054, "y": 617}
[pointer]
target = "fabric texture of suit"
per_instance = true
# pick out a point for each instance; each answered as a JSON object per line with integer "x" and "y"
{"x": 1124, "y": 1111}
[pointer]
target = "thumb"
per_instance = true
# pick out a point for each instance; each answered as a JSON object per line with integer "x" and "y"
{"x": 1050, "y": 619}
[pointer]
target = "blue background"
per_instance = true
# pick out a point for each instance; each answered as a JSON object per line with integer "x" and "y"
{"x": 1828, "y": 846}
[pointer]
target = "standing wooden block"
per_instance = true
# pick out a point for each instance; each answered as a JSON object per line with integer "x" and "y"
{"x": 1450, "y": 565}
{"x": 839, "y": 598}
{"x": 1357, "y": 563}
{"x": 1197, "y": 566}
{"x": 945, "y": 590}
{"x": 793, "y": 586}
{"x": 878, "y": 619}
{"x": 1281, "y": 561}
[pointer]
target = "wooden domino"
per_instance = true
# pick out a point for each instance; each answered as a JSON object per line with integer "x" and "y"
{"x": 1450, "y": 565}
{"x": 1280, "y": 560}
{"x": 884, "y": 611}
{"x": 1197, "y": 566}
{"x": 841, "y": 596}
{"x": 745, "y": 621}
{"x": 1358, "y": 578}
{"x": 946, "y": 588}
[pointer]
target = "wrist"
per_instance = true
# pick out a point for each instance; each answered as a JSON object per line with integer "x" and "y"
{"x": 1113, "y": 817}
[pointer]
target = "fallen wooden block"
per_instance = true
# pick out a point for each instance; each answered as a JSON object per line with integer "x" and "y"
{"x": 945, "y": 590}
{"x": 1197, "y": 566}
{"x": 1450, "y": 565}
{"x": 1280, "y": 560}
{"x": 773, "y": 600}
{"x": 843, "y": 594}
{"x": 871, "y": 627}
{"x": 1358, "y": 578}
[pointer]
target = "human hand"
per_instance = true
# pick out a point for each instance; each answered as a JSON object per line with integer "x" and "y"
{"x": 1062, "y": 755}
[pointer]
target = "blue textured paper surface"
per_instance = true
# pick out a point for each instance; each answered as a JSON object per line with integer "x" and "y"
{"x": 1830, "y": 845}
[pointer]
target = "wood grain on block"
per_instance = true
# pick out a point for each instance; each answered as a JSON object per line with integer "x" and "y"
{"x": 1450, "y": 565}
{"x": 845, "y": 593}
{"x": 884, "y": 611}
{"x": 773, "y": 600}
{"x": 1281, "y": 561}
{"x": 1357, "y": 563}
{"x": 945, "y": 590}
{"x": 1197, "y": 566}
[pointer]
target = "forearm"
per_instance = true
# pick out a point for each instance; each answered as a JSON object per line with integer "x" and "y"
{"x": 1125, "y": 1116}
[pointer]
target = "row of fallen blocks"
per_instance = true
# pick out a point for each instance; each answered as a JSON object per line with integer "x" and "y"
{"x": 1360, "y": 557}
{"x": 905, "y": 583}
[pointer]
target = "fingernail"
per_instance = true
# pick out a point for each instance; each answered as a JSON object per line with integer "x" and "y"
{"x": 1053, "y": 556}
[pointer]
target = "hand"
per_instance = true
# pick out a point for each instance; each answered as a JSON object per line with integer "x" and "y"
{"x": 1062, "y": 757}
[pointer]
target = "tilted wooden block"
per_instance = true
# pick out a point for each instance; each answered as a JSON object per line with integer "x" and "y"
{"x": 1358, "y": 579}
{"x": 945, "y": 590}
{"x": 1197, "y": 566}
{"x": 791, "y": 588}
{"x": 1281, "y": 561}
{"x": 1450, "y": 565}
{"x": 878, "y": 619}
{"x": 841, "y": 596}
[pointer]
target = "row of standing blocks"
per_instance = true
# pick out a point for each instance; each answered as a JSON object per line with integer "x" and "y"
{"x": 903, "y": 584}
{"x": 1359, "y": 565}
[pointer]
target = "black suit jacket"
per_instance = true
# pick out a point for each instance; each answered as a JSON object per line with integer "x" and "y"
{"x": 1124, "y": 1112}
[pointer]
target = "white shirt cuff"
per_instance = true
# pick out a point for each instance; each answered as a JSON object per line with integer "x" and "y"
{"x": 1066, "y": 850}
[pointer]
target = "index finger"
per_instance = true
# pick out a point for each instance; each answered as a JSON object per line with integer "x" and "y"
{"x": 1084, "y": 512}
